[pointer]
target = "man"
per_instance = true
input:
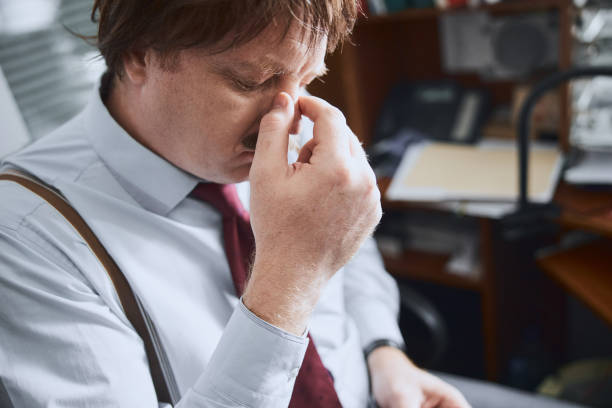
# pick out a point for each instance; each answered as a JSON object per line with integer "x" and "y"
{"x": 201, "y": 92}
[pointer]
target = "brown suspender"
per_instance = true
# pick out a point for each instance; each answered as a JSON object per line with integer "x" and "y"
{"x": 163, "y": 381}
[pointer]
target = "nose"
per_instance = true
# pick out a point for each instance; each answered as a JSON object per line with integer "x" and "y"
{"x": 293, "y": 88}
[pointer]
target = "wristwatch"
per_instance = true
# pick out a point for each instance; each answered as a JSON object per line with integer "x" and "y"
{"x": 381, "y": 343}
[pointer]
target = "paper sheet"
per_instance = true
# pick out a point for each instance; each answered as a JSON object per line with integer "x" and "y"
{"x": 437, "y": 172}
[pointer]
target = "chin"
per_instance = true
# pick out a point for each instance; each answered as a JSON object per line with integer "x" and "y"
{"x": 238, "y": 175}
{"x": 224, "y": 175}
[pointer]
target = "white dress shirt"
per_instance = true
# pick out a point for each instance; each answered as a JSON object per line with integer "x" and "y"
{"x": 65, "y": 341}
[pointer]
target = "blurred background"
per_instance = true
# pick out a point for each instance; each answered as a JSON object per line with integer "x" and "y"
{"x": 50, "y": 71}
{"x": 530, "y": 307}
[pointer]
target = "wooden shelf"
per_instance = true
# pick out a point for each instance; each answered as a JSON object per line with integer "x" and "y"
{"x": 516, "y": 6}
{"x": 422, "y": 265}
{"x": 585, "y": 272}
{"x": 585, "y": 209}
{"x": 428, "y": 267}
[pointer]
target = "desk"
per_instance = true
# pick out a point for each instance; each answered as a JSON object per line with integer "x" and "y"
{"x": 585, "y": 271}
{"x": 584, "y": 209}
{"x": 428, "y": 267}
{"x": 423, "y": 265}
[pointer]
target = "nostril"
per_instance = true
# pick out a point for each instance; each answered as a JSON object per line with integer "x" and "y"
{"x": 250, "y": 141}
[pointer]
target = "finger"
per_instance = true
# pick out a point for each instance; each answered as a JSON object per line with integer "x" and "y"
{"x": 273, "y": 139}
{"x": 356, "y": 146}
{"x": 330, "y": 130}
{"x": 361, "y": 163}
{"x": 429, "y": 404}
{"x": 306, "y": 152}
{"x": 296, "y": 127}
{"x": 454, "y": 399}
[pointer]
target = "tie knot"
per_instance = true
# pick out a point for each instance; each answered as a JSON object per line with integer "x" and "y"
{"x": 224, "y": 197}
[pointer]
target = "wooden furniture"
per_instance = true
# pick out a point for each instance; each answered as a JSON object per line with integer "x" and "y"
{"x": 585, "y": 209}
{"x": 585, "y": 270}
{"x": 405, "y": 45}
{"x": 428, "y": 267}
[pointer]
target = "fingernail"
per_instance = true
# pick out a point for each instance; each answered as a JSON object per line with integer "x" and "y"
{"x": 280, "y": 102}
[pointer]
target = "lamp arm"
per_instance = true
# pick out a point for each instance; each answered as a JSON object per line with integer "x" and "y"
{"x": 525, "y": 114}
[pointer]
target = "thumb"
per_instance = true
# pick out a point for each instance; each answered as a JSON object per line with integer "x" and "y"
{"x": 273, "y": 139}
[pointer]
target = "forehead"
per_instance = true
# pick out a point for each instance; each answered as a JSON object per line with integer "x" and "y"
{"x": 275, "y": 51}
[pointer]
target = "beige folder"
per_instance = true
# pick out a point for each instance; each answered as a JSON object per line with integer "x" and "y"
{"x": 486, "y": 172}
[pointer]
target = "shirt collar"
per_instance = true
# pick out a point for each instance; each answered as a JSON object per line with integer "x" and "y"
{"x": 152, "y": 181}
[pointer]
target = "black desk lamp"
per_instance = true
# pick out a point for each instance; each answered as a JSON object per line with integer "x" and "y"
{"x": 527, "y": 219}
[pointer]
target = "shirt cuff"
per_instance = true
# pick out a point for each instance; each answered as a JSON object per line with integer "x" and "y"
{"x": 255, "y": 363}
{"x": 375, "y": 322}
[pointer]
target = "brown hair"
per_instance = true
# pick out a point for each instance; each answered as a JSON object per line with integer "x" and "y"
{"x": 168, "y": 26}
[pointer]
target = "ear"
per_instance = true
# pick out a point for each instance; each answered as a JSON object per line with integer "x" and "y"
{"x": 136, "y": 64}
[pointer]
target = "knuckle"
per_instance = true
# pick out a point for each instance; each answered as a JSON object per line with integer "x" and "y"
{"x": 398, "y": 394}
{"x": 376, "y": 204}
{"x": 334, "y": 114}
{"x": 371, "y": 180}
{"x": 375, "y": 193}
{"x": 342, "y": 175}
{"x": 456, "y": 394}
{"x": 379, "y": 213}
{"x": 368, "y": 183}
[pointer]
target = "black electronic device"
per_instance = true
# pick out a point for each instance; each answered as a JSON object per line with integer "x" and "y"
{"x": 439, "y": 110}
{"x": 417, "y": 111}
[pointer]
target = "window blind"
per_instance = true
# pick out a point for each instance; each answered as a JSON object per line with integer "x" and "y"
{"x": 49, "y": 70}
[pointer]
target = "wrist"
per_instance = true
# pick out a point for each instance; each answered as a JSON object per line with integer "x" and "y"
{"x": 380, "y": 343}
{"x": 385, "y": 354}
{"x": 281, "y": 295}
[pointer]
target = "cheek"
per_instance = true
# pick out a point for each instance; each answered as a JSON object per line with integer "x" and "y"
{"x": 231, "y": 120}
{"x": 246, "y": 111}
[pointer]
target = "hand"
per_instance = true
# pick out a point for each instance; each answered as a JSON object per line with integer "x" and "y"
{"x": 308, "y": 218}
{"x": 398, "y": 383}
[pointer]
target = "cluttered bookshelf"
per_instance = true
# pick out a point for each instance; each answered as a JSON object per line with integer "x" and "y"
{"x": 408, "y": 44}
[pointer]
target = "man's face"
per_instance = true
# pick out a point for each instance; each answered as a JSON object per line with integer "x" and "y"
{"x": 203, "y": 115}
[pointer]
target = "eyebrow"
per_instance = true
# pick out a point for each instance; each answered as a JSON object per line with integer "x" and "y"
{"x": 266, "y": 68}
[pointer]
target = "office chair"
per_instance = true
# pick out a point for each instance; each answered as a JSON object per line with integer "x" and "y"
{"x": 428, "y": 338}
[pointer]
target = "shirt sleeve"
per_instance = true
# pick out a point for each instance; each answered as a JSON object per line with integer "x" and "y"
{"x": 254, "y": 365}
{"x": 63, "y": 346}
{"x": 372, "y": 296}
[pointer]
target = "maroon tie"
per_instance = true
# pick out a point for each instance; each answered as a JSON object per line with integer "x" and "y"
{"x": 313, "y": 386}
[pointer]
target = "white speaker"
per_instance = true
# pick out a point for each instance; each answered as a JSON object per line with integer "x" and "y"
{"x": 499, "y": 47}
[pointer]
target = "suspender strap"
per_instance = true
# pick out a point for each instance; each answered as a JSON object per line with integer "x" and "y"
{"x": 131, "y": 306}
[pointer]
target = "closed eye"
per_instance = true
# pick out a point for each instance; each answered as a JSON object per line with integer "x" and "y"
{"x": 247, "y": 86}
{"x": 251, "y": 86}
